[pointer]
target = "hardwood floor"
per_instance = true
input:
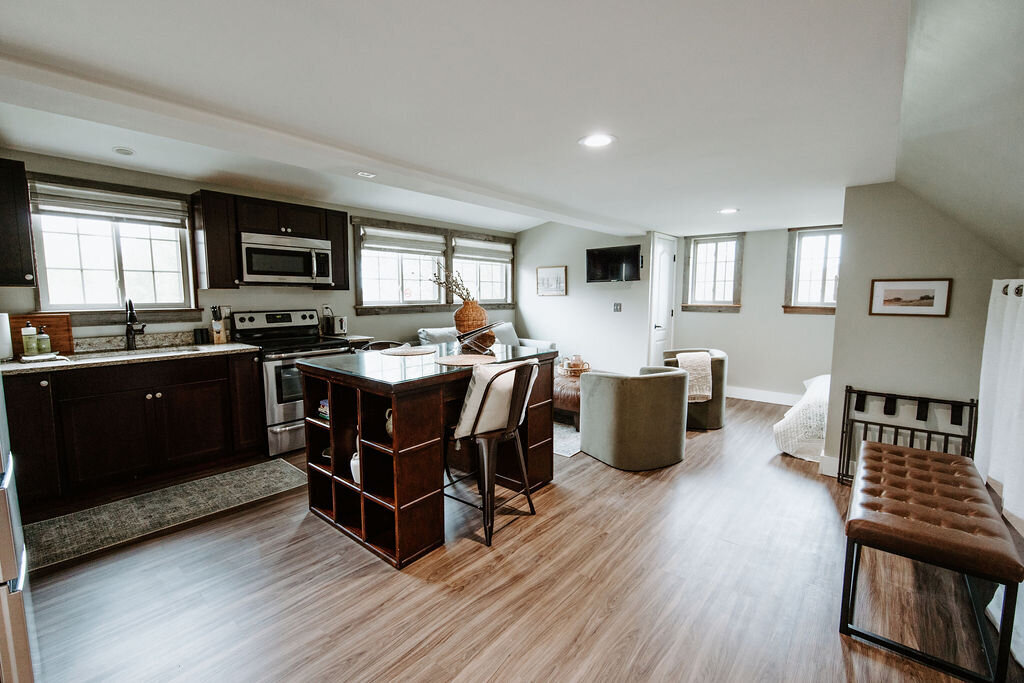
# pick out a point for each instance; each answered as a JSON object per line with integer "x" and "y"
{"x": 727, "y": 567}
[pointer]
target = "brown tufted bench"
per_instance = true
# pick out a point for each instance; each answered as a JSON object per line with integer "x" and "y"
{"x": 934, "y": 508}
{"x": 566, "y": 396}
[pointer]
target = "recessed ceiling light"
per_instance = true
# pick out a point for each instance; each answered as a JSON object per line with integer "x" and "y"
{"x": 597, "y": 140}
{"x": 366, "y": 174}
{"x": 124, "y": 151}
{"x": 726, "y": 212}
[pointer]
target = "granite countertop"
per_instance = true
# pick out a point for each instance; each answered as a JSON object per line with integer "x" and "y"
{"x": 101, "y": 358}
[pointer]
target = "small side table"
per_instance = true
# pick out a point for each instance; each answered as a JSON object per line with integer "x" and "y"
{"x": 566, "y": 396}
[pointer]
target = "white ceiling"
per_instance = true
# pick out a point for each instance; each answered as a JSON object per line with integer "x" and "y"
{"x": 962, "y": 128}
{"x": 771, "y": 107}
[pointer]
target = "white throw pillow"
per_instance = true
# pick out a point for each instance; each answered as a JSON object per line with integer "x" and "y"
{"x": 495, "y": 412}
{"x": 505, "y": 333}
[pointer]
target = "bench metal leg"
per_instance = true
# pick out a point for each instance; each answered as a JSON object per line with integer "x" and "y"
{"x": 997, "y": 664}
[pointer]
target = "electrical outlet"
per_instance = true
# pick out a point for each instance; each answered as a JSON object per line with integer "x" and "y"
{"x": 616, "y": 308}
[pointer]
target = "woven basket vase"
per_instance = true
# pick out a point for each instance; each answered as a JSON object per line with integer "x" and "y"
{"x": 470, "y": 316}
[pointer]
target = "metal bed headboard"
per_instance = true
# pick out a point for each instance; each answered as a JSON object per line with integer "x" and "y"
{"x": 856, "y": 429}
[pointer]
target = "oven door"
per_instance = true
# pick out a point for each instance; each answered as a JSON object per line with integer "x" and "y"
{"x": 282, "y": 383}
{"x": 285, "y": 260}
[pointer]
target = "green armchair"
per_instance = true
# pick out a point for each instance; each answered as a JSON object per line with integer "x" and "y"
{"x": 706, "y": 414}
{"x": 634, "y": 423}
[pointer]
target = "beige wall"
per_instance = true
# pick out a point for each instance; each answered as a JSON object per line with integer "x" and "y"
{"x": 770, "y": 352}
{"x": 399, "y": 327}
{"x": 582, "y": 321}
{"x": 890, "y": 232}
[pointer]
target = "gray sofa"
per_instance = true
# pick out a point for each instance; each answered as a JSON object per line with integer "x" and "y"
{"x": 505, "y": 333}
{"x": 634, "y": 422}
{"x": 706, "y": 414}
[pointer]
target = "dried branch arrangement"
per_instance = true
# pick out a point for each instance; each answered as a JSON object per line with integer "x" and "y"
{"x": 452, "y": 281}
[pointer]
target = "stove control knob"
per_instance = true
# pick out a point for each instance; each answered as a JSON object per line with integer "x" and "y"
{"x": 252, "y": 319}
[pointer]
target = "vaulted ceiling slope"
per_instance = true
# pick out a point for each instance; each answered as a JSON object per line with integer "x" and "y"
{"x": 774, "y": 107}
{"x": 962, "y": 124}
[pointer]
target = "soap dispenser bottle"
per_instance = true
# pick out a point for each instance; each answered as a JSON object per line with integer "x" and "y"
{"x": 42, "y": 340}
{"x": 28, "y": 339}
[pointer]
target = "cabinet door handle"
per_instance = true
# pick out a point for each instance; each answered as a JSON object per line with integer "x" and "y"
{"x": 283, "y": 229}
{"x": 44, "y": 383}
{"x": 255, "y": 359}
{"x": 159, "y": 395}
{"x": 149, "y": 397}
{"x": 30, "y": 277}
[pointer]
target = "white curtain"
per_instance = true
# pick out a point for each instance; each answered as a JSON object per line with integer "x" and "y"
{"x": 999, "y": 453}
{"x": 1000, "y": 445}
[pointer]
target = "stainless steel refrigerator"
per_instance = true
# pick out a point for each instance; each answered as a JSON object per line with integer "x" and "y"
{"x": 17, "y": 630}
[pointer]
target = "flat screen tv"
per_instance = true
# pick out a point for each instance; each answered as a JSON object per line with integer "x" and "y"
{"x": 613, "y": 264}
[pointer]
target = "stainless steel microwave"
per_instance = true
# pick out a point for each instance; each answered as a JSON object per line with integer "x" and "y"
{"x": 269, "y": 259}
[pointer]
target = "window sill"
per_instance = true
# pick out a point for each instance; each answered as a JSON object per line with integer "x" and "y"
{"x": 810, "y": 310}
{"x": 117, "y": 316}
{"x": 710, "y": 308}
{"x": 426, "y": 308}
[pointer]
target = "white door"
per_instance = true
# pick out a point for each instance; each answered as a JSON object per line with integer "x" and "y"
{"x": 663, "y": 284}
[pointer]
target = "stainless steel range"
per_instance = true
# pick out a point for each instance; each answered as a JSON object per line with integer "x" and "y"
{"x": 283, "y": 338}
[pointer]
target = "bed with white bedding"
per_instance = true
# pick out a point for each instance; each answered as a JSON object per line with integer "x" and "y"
{"x": 801, "y": 433}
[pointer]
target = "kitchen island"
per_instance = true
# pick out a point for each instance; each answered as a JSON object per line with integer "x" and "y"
{"x": 396, "y": 509}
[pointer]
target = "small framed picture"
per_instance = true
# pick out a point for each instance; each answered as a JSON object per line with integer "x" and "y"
{"x": 911, "y": 297}
{"x": 551, "y": 280}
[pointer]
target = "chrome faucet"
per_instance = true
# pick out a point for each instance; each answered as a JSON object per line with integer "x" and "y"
{"x": 132, "y": 327}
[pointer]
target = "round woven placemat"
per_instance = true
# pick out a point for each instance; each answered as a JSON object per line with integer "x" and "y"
{"x": 465, "y": 359}
{"x": 408, "y": 351}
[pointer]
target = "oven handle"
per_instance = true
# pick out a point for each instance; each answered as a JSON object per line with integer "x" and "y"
{"x": 304, "y": 354}
{"x": 281, "y": 430}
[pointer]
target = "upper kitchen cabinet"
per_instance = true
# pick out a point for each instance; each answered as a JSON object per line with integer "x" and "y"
{"x": 216, "y": 240}
{"x": 276, "y": 218}
{"x": 17, "y": 268}
{"x": 337, "y": 233}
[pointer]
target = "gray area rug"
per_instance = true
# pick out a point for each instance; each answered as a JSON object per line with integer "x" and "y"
{"x": 106, "y": 526}
{"x": 567, "y": 440}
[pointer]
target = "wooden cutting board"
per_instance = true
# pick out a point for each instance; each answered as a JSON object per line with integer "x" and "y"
{"x": 58, "y": 326}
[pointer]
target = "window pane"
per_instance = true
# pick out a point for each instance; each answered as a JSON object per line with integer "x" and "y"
{"x": 90, "y": 226}
{"x": 135, "y": 253}
{"x": 138, "y": 286}
{"x": 100, "y": 287}
{"x": 168, "y": 288}
{"x": 61, "y": 250}
{"x": 97, "y": 252}
{"x": 166, "y": 256}
{"x": 389, "y": 291}
{"x": 163, "y": 232}
{"x": 64, "y": 286}
{"x": 134, "y": 230}
{"x": 58, "y": 224}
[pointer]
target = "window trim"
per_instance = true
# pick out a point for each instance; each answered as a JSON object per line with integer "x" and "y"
{"x": 789, "y": 306}
{"x": 105, "y": 316}
{"x": 450, "y": 303}
{"x": 737, "y": 278}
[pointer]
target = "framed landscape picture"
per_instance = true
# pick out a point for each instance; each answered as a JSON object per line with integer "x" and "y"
{"x": 911, "y": 297}
{"x": 551, "y": 280}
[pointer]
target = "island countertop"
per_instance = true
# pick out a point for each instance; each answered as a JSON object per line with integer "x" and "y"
{"x": 381, "y": 372}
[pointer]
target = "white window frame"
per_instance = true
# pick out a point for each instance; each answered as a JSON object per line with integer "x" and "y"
{"x": 793, "y": 258}
{"x": 476, "y": 263}
{"x": 689, "y": 271}
{"x": 401, "y": 301}
{"x": 138, "y": 216}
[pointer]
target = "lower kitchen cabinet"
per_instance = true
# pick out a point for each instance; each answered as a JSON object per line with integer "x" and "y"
{"x": 30, "y": 416}
{"x": 79, "y": 432}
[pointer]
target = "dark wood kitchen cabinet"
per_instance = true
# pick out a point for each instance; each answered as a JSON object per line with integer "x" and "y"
{"x": 82, "y": 434}
{"x": 17, "y": 267}
{"x": 277, "y": 218}
{"x": 30, "y": 414}
{"x": 245, "y": 374}
{"x": 337, "y": 233}
{"x": 215, "y": 240}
